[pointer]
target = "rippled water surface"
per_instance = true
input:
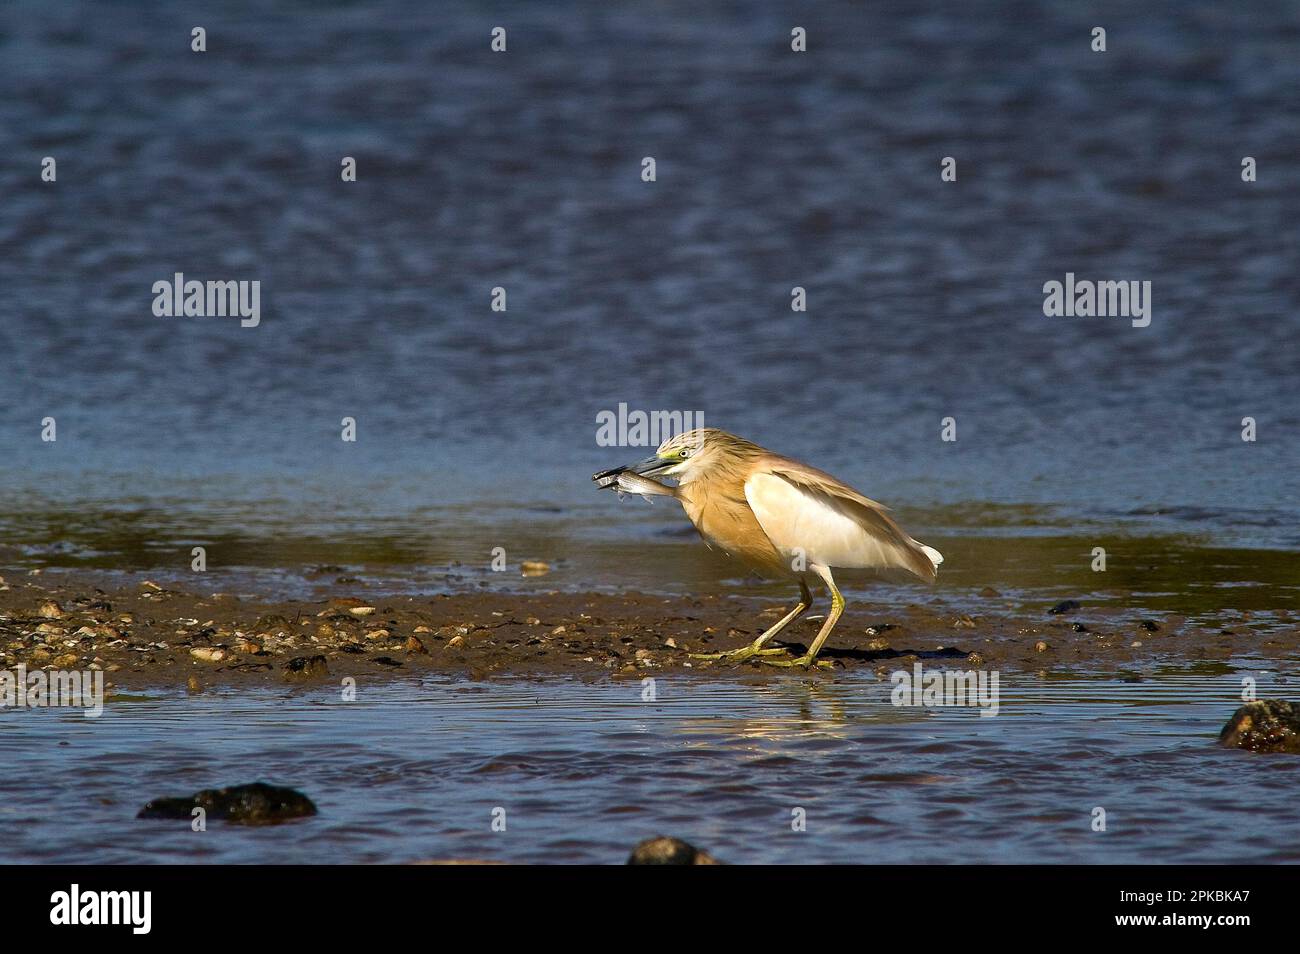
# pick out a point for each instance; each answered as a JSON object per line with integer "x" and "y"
{"x": 413, "y": 770}
{"x": 521, "y": 170}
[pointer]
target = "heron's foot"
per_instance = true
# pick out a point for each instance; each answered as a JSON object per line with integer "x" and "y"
{"x": 806, "y": 661}
{"x": 738, "y": 655}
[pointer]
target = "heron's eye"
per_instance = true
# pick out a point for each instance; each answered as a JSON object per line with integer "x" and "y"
{"x": 684, "y": 453}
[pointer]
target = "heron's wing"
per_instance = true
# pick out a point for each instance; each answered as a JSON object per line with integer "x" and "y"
{"x": 804, "y": 509}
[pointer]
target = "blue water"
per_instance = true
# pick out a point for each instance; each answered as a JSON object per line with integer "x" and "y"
{"x": 775, "y": 169}
{"x": 414, "y": 770}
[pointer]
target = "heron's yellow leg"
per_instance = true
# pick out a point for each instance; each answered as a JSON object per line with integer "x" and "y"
{"x": 756, "y": 647}
{"x": 809, "y": 659}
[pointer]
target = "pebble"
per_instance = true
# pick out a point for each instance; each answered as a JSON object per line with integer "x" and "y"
{"x": 66, "y": 661}
{"x": 534, "y": 568}
{"x": 1040, "y": 646}
{"x": 306, "y": 667}
{"x": 1064, "y": 607}
{"x": 256, "y": 804}
{"x": 51, "y": 610}
{"x": 208, "y": 653}
{"x": 456, "y": 641}
{"x": 669, "y": 851}
{"x": 414, "y": 645}
{"x": 361, "y": 610}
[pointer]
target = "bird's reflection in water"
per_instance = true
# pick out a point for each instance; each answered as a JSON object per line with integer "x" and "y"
{"x": 796, "y": 712}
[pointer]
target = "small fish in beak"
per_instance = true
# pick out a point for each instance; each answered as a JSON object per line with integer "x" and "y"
{"x": 635, "y": 479}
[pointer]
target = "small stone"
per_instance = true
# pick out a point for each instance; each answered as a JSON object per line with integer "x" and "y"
{"x": 975, "y": 659}
{"x": 51, "y": 610}
{"x": 306, "y": 667}
{"x": 1064, "y": 607}
{"x": 670, "y": 643}
{"x": 559, "y": 631}
{"x": 248, "y": 646}
{"x": 876, "y": 645}
{"x": 456, "y": 641}
{"x": 66, "y": 661}
{"x": 361, "y": 610}
{"x": 49, "y": 629}
{"x": 1040, "y": 647}
{"x": 669, "y": 851}
{"x": 988, "y": 592}
{"x": 386, "y": 661}
{"x": 533, "y": 621}
{"x": 1268, "y": 725}
{"x": 377, "y": 634}
{"x": 423, "y": 629}
{"x": 964, "y": 622}
{"x": 208, "y": 653}
{"x": 414, "y": 645}
{"x": 256, "y": 804}
{"x": 1149, "y": 625}
{"x": 534, "y": 568}
{"x": 1136, "y": 644}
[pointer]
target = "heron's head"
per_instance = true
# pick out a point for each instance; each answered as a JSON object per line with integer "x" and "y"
{"x": 690, "y": 454}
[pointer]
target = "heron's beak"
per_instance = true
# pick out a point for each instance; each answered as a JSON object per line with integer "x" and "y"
{"x": 651, "y": 466}
{"x": 646, "y": 468}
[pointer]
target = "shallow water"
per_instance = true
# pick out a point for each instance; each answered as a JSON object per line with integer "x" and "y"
{"x": 414, "y": 769}
{"x": 478, "y": 429}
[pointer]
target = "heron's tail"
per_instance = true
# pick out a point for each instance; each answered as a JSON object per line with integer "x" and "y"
{"x": 935, "y": 556}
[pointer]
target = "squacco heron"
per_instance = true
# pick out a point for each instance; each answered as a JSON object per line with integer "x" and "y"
{"x": 781, "y": 517}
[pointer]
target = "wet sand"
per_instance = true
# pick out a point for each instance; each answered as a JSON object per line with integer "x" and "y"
{"x": 148, "y": 635}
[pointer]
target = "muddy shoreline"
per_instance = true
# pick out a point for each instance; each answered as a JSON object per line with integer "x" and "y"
{"x": 150, "y": 635}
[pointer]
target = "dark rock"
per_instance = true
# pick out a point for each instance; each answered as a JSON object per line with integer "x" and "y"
{"x": 306, "y": 667}
{"x": 256, "y": 804}
{"x": 1064, "y": 607}
{"x": 1080, "y": 628}
{"x": 669, "y": 851}
{"x": 386, "y": 661}
{"x": 272, "y": 622}
{"x": 1269, "y": 725}
{"x": 1149, "y": 625}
